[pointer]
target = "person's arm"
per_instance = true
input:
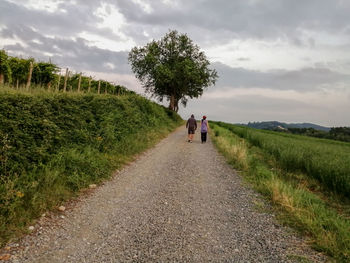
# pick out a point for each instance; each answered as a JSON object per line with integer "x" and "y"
{"x": 187, "y": 124}
{"x": 195, "y": 125}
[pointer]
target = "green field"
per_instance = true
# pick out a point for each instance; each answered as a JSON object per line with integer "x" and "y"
{"x": 325, "y": 160}
{"x": 52, "y": 145}
{"x": 307, "y": 179}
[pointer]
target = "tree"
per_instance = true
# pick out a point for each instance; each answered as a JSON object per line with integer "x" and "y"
{"x": 173, "y": 68}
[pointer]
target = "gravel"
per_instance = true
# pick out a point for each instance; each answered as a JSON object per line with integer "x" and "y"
{"x": 178, "y": 202}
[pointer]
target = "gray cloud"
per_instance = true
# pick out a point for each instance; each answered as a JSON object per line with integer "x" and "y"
{"x": 242, "y": 109}
{"x": 75, "y": 53}
{"x": 306, "y": 79}
{"x": 74, "y": 20}
{"x": 240, "y": 19}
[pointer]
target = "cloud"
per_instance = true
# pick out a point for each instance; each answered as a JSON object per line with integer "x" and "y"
{"x": 302, "y": 80}
{"x": 244, "y": 19}
{"x": 261, "y": 107}
{"x": 243, "y": 59}
{"x": 75, "y": 53}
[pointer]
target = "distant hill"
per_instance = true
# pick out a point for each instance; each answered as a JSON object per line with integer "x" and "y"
{"x": 276, "y": 125}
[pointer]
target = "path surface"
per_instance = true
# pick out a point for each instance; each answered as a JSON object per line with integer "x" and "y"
{"x": 179, "y": 202}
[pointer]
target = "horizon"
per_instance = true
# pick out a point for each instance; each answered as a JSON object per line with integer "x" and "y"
{"x": 292, "y": 67}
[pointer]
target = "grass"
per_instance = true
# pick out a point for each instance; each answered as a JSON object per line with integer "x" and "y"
{"x": 327, "y": 161}
{"x": 54, "y": 145}
{"x": 301, "y": 201}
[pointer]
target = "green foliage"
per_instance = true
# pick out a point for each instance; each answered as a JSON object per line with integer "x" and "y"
{"x": 325, "y": 160}
{"x": 14, "y": 71}
{"x": 173, "y": 68}
{"x": 5, "y": 69}
{"x": 44, "y": 73}
{"x": 335, "y": 133}
{"x": 20, "y": 69}
{"x": 52, "y": 145}
{"x": 293, "y": 194}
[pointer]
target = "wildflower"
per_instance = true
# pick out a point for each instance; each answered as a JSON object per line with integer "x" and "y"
{"x": 19, "y": 194}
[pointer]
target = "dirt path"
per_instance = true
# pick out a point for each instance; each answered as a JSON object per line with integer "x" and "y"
{"x": 178, "y": 202}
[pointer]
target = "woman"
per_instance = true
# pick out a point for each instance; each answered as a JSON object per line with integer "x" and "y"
{"x": 204, "y": 129}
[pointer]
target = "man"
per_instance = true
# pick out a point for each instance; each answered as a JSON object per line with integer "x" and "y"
{"x": 192, "y": 126}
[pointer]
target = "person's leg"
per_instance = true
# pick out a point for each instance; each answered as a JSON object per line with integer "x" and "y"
{"x": 205, "y": 136}
{"x": 202, "y": 137}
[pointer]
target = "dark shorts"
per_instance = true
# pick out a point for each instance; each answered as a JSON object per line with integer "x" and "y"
{"x": 191, "y": 130}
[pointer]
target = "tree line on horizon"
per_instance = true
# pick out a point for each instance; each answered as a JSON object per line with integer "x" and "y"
{"x": 335, "y": 133}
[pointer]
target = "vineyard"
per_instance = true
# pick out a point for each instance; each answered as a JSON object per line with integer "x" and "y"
{"x": 19, "y": 73}
{"x": 307, "y": 179}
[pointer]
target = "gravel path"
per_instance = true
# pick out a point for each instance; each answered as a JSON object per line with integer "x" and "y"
{"x": 179, "y": 202}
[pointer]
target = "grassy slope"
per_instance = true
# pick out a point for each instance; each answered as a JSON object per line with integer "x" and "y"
{"x": 302, "y": 201}
{"x": 54, "y": 145}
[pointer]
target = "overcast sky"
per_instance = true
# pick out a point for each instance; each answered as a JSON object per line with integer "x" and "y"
{"x": 282, "y": 60}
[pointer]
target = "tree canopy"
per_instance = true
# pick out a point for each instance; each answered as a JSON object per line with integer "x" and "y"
{"x": 172, "y": 68}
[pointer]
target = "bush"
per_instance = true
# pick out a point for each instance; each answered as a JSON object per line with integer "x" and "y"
{"x": 52, "y": 145}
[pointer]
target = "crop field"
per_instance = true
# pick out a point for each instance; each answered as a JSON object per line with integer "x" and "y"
{"x": 325, "y": 160}
{"x": 306, "y": 179}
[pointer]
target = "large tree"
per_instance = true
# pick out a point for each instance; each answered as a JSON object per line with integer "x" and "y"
{"x": 173, "y": 68}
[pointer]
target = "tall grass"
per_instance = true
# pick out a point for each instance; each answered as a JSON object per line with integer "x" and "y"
{"x": 53, "y": 145}
{"x": 325, "y": 160}
{"x": 301, "y": 208}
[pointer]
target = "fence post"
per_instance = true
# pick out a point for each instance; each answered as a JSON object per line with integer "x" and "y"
{"x": 58, "y": 84}
{"x": 65, "y": 81}
{"x": 17, "y": 83}
{"x": 99, "y": 87}
{"x": 79, "y": 83}
{"x": 30, "y": 75}
{"x": 89, "y": 89}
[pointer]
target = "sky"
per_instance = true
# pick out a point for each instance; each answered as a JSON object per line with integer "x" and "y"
{"x": 282, "y": 60}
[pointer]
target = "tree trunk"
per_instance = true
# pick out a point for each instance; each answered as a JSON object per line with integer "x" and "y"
{"x": 172, "y": 102}
{"x": 2, "y": 78}
{"x": 176, "y": 108}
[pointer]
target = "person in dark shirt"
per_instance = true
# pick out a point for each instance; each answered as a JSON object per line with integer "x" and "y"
{"x": 192, "y": 126}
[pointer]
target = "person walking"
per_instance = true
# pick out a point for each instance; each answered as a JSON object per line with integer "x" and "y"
{"x": 204, "y": 129}
{"x": 192, "y": 126}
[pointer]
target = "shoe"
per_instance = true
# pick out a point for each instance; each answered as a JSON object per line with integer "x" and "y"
{"x": 190, "y": 141}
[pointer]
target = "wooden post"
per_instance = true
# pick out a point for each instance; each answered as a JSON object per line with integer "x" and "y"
{"x": 79, "y": 83}
{"x": 99, "y": 87}
{"x": 30, "y": 75}
{"x": 17, "y": 83}
{"x": 58, "y": 84}
{"x": 106, "y": 88}
{"x": 89, "y": 89}
{"x": 65, "y": 81}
